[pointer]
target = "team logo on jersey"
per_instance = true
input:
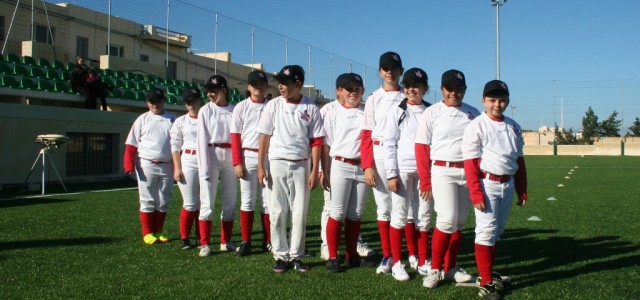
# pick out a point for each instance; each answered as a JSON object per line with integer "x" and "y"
{"x": 459, "y": 75}
{"x": 305, "y": 116}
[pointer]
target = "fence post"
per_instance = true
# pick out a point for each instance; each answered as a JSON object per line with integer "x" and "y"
{"x": 555, "y": 148}
{"x": 621, "y": 147}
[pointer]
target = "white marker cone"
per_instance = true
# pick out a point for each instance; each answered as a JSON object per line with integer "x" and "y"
{"x": 552, "y": 198}
{"x": 534, "y": 218}
{"x": 561, "y": 185}
{"x": 567, "y": 177}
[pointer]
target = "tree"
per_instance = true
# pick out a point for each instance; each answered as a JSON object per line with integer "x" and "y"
{"x": 611, "y": 126}
{"x": 634, "y": 130}
{"x": 565, "y": 137}
{"x": 589, "y": 127}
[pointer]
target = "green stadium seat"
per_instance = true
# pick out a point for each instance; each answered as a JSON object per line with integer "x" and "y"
{"x": 27, "y": 83}
{"x": 130, "y": 85}
{"x": 150, "y": 78}
{"x": 138, "y": 77}
{"x": 195, "y": 84}
{"x": 62, "y": 87}
{"x": 107, "y": 73}
{"x": 57, "y": 64}
{"x": 159, "y": 80}
{"x": 235, "y": 91}
{"x": 172, "y": 90}
{"x": 13, "y": 58}
{"x": 141, "y": 96}
{"x": 9, "y": 81}
{"x": 20, "y": 70}
{"x": 119, "y": 83}
{"x": 129, "y": 94}
{"x": 117, "y": 93}
{"x": 45, "y": 85}
{"x": 129, "y": 76}
{"x": 44, "y": 63}
{"x": 28, "y": 60}
{"x": 70, "y": 66}
{"x": 65, "y": 75}
{"x": 172, "y": 99}
{"x": 236, "y": 98}
{"x": 108, "y": 81}
{"x": 37, "y": 72}
{"x": 5, "y": 68}
{"x": 53, "y": 74}
{"x": 118, "y": 74}
{"x": 141, "y": 86}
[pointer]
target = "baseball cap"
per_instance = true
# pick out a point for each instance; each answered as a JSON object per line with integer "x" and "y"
{"x": 290, "y": 73}
{"x": 415, "y": 75}
{"x": 495, "y": 87}
{"x": 155, "y": 95}
{"x": 390, "y": 60}
{"x": 257, "y": 76}
{"x": 347, "y": 79}
{"x": 453, "y": 78}
{"x": 191, "y": 94}
{"x": 214, "y": 82}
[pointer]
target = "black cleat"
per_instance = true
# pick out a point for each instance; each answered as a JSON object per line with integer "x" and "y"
{"x": 244, "y": 249}
{"x": 280, "y": 266}
{"x": 300, "y": 266}
{"x": 186, "y": 245}
{"x": 266, "y": 247}
{"x": 488, "y": 291}
{"x": 333, "y": 265}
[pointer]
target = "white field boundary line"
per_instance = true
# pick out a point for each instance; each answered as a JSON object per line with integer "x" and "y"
{"x": 68, "y": 194}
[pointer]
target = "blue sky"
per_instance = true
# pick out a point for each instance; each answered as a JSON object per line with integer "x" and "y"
{"x": 577, "y": 53}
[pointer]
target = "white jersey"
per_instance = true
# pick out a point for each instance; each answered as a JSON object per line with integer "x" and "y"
{"x": 376, "y": 108}
{"x": 183, "y": 133}
{"x": 399, "y": 139}
{"x": 342, "y": 128}
{"x": 329, "y": 106}
{"x": 213, "y": 128}
{"x": 244, "y": 121}
{"x": 150, "y": 133}
{"x": 497, "y": 143}
{"x": 442, "y": 126}
{"x": 290, "y": 126}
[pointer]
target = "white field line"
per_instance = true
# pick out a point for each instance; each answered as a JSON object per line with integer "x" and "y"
{"x": 67, "y": 194}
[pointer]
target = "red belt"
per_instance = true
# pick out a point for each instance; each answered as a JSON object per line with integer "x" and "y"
{"x": 190, "y": 151}
{"x": 377, "y": 143}
{"x": 220, "y": 145}
{"x": 450, "y": 164}
{"x": 498, "y": 178}
{"x": 354, "y": 162}
{"x": 250, "y": 149}
{"x": 155, "y": 161}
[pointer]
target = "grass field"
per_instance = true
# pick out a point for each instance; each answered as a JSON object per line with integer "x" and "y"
{"x": 88, "y": 245}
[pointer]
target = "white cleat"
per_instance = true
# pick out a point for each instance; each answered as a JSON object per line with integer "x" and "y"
{"x": 457, "y": 274}
{"x": 364, "y": 250}
{"x": 385, "y": 266}
{"x": 230, "y": 246}
{"x": 204, "y": 251}
{"x": 413, "y": 262}
{"x": 399, "y": 273}
{"x": 424, "y": 269}
{"x": 432, "y": 279}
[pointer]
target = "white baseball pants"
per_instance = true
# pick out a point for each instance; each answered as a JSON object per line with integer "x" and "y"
{"x": 407, "y": 206}
{"x": 380, "y": 192}
{"x": 490, "y": 224}
{"x": 348, "y": 191}
{"x": 221, "y": 168}
{"x": 451, "y": 197}
{"x": 190, "y": 188}
{"x": 155, "y": 185}
{"x": 250, "y": 190}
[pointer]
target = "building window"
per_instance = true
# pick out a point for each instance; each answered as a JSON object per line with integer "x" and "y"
{"x": 115, "y": 50}
{"x": 2, "y": 28}
{"x": 144, "y": 57}
{"x": 43, "y": 36}
{"x": 82, "y": 47}
{"x": 92, "y": 153}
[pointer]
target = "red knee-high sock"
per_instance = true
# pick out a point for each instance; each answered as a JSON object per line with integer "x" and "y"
{"x": 226, "y": 231}
{"x": 383, "y": 228}
{"x": 410, "y": 235}
{"x": 146, "y": 220}
{"x": 333, "y": 236}
{"x": 158, "y": 221}
{"x": 484, "y": 261}
{"x": 451, "y": 257}
{"x": 439, "y": 245}
{"x": 205, "y": 232}
{"x": 352, "y": 232}
{"x": 395, "y": 240}
{"x": 266, "y": 228}
{"x": 246, "y": 225}
{"x": 423, "y": 247}
{"x": 185, "y": 225}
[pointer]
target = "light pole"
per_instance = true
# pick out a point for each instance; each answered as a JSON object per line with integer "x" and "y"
{"x": 497, "y": 4}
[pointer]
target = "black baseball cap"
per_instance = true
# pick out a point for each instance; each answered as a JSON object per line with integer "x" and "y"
{"x": 415, "y": 75}
{"x": 257, "y": 76}
{"x": 390, "y": 60}
{"x": 214, "y": 82}
{"x": 290, "y": 73}
{"x": 495, "y": 88}
{"x": 155, "y": 95}
{"x": 347, "y": 79}
{"x": 191, "y": 94}
{"x": 453, "y": 78}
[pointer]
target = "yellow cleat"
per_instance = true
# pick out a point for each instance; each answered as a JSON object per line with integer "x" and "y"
{"x": 150, "y": 239}
{"x": 162, "y": 238}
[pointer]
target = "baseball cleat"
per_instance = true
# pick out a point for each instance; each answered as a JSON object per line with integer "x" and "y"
{"x": 162, "y": 238}
{"x": 413, "y": 262}
{"x": 457, "y": 274}
{"x": 359, "y": 262}
{"x": 324, "y": 252}
{"x": 280, "y": 266}
{"x": 230, "y": 246}
{"x": 385, "y": 266}
{"x": 150, "y": 239}
{"x": 204, "y": 251}
{"x": 398, "y": 272}
{"x": 489, "y": 291}
{"x": 186, "y": 245}
{"x": 266, "y": 247}
{"x": 300, "y": 266}
{"x": 244, "y": 249}
{"x": 364, "y": 250}
{"x": 333, "y": 265}
{"x": 499, "y": 281}
{"x": 432, "y": 279}
{"x": 424, "y": 269}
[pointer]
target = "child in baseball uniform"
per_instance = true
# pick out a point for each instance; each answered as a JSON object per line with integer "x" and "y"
{"x": 494, "y": 164}
{"x": 213, "y": 146}
{"x": 291, "y": 133}
{"x": 375, "y": 113}
{"x": 244, "y": 147}
{"x": 148, "y": 152}
{"x": 442, "y": 177}
{"x": 183, "y": 147}
{"x": 402, "y": 174}
{"x": 343, "y": 176}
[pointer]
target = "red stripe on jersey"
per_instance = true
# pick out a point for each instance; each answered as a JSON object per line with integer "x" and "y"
{"x": 423, "y": 162}
{"x": 236, "y": 148}
{"x": 130, "y": 153}
{"x": 472, "y": 171}
{"x": 366, "y": 149}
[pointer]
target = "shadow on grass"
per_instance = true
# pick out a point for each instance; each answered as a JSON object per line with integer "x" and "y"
{"x": 17, "y": 245}
{"x": 30, "y": 201}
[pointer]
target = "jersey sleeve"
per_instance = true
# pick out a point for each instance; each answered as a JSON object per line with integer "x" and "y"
{"x": 265, "y": 125}
{"x": 202, "y": 143}
{"x": 472, "y": 141}
{"x": 176, "y": 135}
{"x": 236, "y": 118}
{"x": 316, "y": 130}
{"x": 423, "y": 162}
{"x": 425, "y": 128}
{"x": 390, "y": 143}
{"x": 369, "y": 118}
{"x": 472, "y": 172}
{"x": 135, "y": 133}
{"x": 328, "y": 128}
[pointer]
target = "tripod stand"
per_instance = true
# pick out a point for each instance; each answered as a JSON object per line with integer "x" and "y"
{"x": 44, "y": 154}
